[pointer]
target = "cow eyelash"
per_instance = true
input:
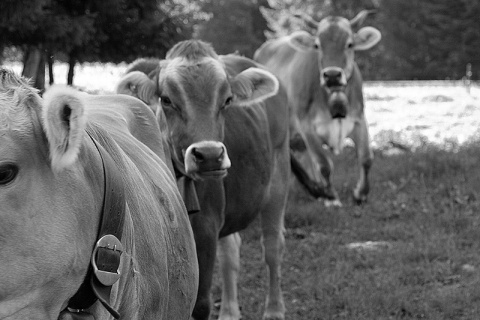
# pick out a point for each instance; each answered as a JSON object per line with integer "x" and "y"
{"x": 8, "y": 172}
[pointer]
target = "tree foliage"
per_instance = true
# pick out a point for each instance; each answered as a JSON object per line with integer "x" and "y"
{"x": 433, "y": 39}
{"x": 233, "y": 25}
{"x": 90, "y": 30}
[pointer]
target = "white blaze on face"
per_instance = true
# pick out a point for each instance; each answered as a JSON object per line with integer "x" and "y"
{"x": 334, "y": 132}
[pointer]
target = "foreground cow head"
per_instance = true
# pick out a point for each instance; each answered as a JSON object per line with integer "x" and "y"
{"x": 45, "y": 233}
{"x": 194, "y": 91}
{"x": 335, "y": 41}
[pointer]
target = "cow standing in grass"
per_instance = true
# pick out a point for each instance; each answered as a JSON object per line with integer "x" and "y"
{"x": 324, "y": 87}
{"x": 227, "y": 127}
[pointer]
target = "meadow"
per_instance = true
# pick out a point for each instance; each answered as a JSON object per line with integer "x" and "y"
{"x": 413, "y": 250}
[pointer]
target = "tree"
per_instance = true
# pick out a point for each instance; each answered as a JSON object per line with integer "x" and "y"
{"x": 430, "y": 39}
{"x": 89, "y": 30}
{"x": 233, "y": 25}
{"x": 19, "y": 22}
{"x": 128, "y": 29}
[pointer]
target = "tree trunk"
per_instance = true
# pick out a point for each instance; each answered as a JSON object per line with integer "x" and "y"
{"x": 2, "y": 52}
{"x": 34, "y": 67}
{"x": 51, "y": 80}
{"x": 71, "y": 69}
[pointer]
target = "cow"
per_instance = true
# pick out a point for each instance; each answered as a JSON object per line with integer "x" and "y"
{"x": 324, "y": 87}
{"x": 301, "y": 159}
{"x": 92, "y": 225}
{"x": 228, "y": 132}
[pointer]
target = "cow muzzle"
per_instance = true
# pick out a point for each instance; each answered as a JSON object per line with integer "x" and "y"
{"x": 333, "y": 78}
{"x": 338, "y": 104}
{"x": 207, "y": 160}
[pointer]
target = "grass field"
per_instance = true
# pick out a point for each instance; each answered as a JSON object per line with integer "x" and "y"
{"x": 413, "y": 250}
{"x": 423, "y": 216}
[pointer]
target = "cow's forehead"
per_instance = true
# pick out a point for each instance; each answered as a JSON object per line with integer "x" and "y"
{"x": 181, "y": 68}
{"x": 334, "y": 29}
{"x": 199, "y": 80}
{"x": 13, "y": 113}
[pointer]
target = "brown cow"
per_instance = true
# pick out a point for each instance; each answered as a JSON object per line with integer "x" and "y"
{"x": 225, "y": 114}
{"x": 324, "y": 88}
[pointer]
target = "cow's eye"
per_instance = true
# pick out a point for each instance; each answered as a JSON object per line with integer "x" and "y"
{"x": 8, "y": 172}
{"x": 350, "y": 45}
{"x": 228, "y": 101}
{"x": 165, "y": 101}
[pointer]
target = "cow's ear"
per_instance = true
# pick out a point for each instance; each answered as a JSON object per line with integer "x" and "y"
{"x": 139, "y": 85}
{"x": 64, "y": 121}
{"x": 366, "y": 38}
{"x": 253, "y": 85}
{"x": 302, "y": 41}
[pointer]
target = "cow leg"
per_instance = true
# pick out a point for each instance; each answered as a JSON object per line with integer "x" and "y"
{"x": 361, "y": 139}
{"x": 273, "y": 239}
{"x": 228, "y": 254}
{"x": 303, "y": 163}
{"x": 325, "y": 167}
{"x": 206, "y": 243}
{"x": 273, "y": 244}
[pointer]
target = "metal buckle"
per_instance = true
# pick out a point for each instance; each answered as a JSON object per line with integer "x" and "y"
{"x": 110, "y": 242}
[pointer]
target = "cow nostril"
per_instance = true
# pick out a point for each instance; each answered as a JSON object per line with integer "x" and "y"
{"x": 198, "y": 156}
{"x": 221, "y": 156}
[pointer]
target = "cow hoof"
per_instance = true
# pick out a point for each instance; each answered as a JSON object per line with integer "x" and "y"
{"x": 274, "y": 316}
{"x": 229, "y": 317}
{"x": 360, "y": 202}
{"x": 359, "y": 198}
{"x": 333, "y": 203}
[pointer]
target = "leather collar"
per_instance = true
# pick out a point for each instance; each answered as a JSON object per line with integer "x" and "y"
{"x": 103, "y": 271}
{"x": 186, "y": 186}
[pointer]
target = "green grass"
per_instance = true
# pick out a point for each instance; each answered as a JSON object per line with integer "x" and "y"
{"x": 424, "y": 204}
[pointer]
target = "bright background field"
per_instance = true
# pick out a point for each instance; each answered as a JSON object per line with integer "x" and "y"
{"x": 411, "y": 252}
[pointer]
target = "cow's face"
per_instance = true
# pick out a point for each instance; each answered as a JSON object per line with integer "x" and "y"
{"x": 194, "y": 95}
{"x": 194, "y": 92}
{"x": 335, "y": 43}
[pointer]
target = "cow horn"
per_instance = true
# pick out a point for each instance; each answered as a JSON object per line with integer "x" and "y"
{"x": 360, "y": 17}
{"x": 311, "y": 23}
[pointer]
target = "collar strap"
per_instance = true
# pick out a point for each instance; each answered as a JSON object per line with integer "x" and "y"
{"x": 103, "y": 271}
{"x": 186, "y": 186}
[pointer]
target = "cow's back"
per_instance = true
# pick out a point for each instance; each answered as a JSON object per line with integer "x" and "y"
{"x": 297, "y": 71}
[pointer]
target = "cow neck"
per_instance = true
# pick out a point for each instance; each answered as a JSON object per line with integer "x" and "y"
{"x": 103, "y": 270}
{"x": 186, "y": 186}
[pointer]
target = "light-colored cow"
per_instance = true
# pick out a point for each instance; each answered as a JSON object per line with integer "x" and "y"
{"x": 91, "y": 222}
{"x": 324, "y": 87}
{"x": 228, "y": 131}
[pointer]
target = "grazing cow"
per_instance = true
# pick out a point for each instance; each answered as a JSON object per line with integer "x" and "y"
{"x": 225, "y": 114}
{"x": 324, "y": 88}
{"x": 91, "y": 222}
